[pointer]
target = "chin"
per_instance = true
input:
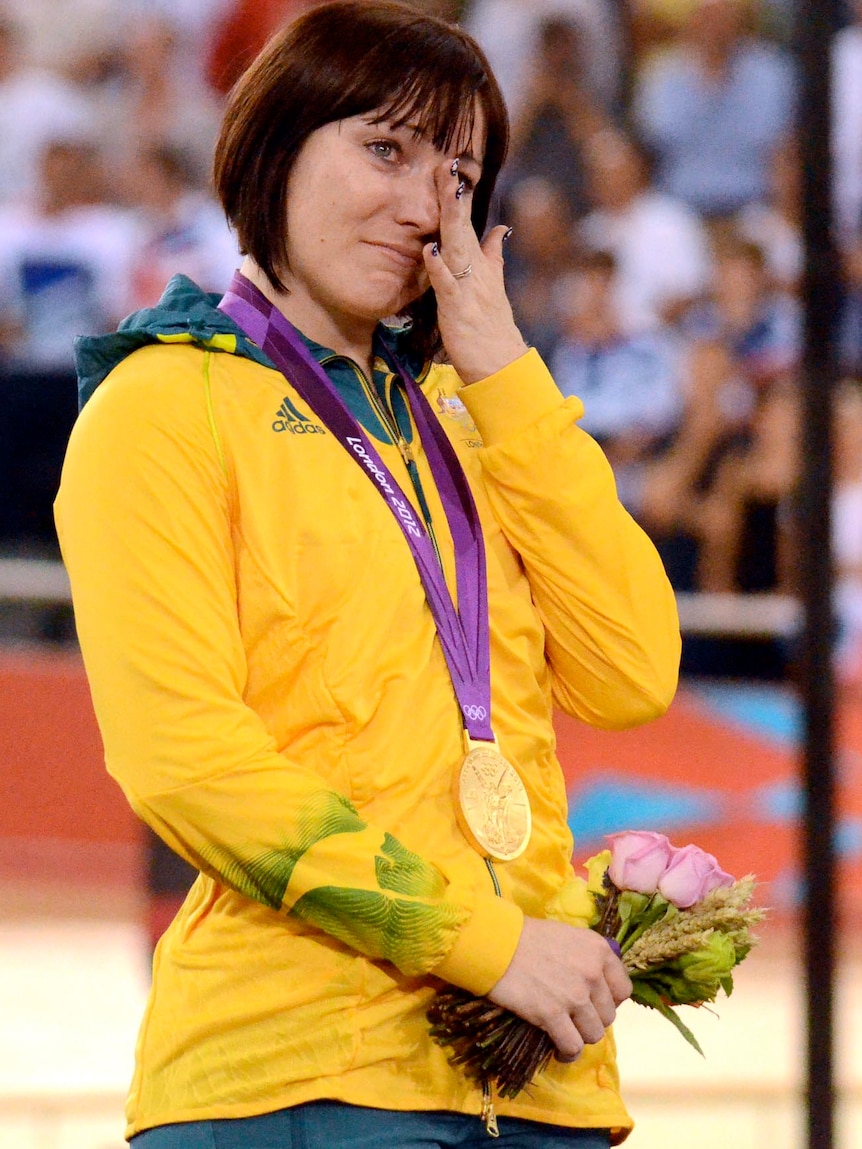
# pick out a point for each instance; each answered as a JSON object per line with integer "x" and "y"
{"x": 390, "y": 298}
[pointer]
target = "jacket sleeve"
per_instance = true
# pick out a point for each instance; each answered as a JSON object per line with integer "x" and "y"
{"x": 612, "y": 631}
{"x": 145, "y": 518}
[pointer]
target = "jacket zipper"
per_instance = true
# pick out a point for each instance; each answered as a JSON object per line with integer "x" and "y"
{"x": 385, "y": 412}
{"x": 488, "y": 1114}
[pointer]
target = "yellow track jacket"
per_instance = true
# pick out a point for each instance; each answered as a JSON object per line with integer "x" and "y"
{"x": 274, "y": 702}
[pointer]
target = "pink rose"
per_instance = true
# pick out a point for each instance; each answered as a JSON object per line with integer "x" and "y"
{"x": 638, "y": 860}
{"x": 690, "y": 875}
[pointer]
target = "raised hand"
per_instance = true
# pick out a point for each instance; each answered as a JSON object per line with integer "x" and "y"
{"x": 474, "y": 313}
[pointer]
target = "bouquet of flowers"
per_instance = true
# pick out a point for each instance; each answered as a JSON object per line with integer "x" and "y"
{"x": 679, "y": 922}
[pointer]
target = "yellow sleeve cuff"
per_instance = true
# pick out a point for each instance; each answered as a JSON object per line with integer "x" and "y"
{"x": 513, "y": 398}
{"x": 485, "y": 946}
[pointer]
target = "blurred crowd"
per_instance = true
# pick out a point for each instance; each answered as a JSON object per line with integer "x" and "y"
{"x": 654, "y": 191}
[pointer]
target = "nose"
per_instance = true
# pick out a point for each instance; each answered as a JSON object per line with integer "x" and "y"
{"x": 419, "y": 203}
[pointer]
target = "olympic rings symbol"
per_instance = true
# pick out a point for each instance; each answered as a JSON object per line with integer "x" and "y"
{"x": 475, "y": 713}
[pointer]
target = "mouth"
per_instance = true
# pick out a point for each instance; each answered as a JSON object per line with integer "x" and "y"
{"x": 407, "y": 257}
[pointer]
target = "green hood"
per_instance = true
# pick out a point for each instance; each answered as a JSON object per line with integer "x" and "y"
{"x": 184, "y": 314}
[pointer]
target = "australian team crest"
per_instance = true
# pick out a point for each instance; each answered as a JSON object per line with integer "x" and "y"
{"x": 451, "y": 407}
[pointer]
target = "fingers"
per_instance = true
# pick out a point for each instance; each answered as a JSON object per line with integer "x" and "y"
{"x": 603, "y": 1004}
{"x": 567, "y": 981}
{"x": 613, "y": 988}
{"x": 458, "y": 250}
{"x": 595, "y": 1000}
{"x": 618, "y": 981}
{"x": 459, "y": 245}
{"x": 568, "y": 1041}
{"x": 494, "y": 242}
{"x": 586, "y": 1024}
{"x": 474, "y": 314}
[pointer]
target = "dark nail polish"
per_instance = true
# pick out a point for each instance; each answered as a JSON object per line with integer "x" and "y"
{"x": 462, "y": 187}
{"x": 508, "y": 235}
{"x": 455, "y": 165}
{"x": 435, "y": 249}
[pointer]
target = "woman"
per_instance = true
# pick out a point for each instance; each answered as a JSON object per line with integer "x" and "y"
{"x": 263, "y": 564}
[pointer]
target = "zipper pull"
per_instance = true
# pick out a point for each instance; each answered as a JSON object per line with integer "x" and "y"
{"x": 404, "y": 448}
{"x": 488, "y": 1114}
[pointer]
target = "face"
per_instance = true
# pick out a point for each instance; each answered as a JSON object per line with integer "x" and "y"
{"x": 70, "y": 173}
{"x": 614, "y": 170}
{"x": 362, "y": 202}
{"x": 740, "y": 281}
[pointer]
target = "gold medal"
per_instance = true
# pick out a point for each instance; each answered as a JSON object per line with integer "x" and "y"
{"x": 491, "y": 803}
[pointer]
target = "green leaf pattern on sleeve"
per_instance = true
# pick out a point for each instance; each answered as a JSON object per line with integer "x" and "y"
{"x": 414, "y": 936}
{"x": 400, "y": 916}
{"x": 404, "y": 872}
{"x": 266, "y": 876}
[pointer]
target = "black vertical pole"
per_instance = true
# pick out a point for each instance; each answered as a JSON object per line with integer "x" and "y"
{"x": 817, "y": 23}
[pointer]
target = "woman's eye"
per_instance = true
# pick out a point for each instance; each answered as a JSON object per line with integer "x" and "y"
{"x": 383, "y": 149}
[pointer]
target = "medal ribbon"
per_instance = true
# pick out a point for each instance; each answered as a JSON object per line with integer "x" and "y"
{"x": 464, "y": 632}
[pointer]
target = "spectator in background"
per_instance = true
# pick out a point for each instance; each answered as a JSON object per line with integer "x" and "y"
{"x": 195, "y": 23}
{"x": 155, "y": 96}
{"x": 713, "y": 108}
{"x": 713, "y": 425}
{"x": 65, "y": 260}
{"x": 540, "y": 254}
{"x": 629, "y": 381}
{"x": 777, "y": 228}
{"x": 775, "y": 225}
{"x": 661, "y": 248}
{"x": 759, "y": 327}
{"x": 508, "y": 31}
{"x": 745, "y": 347}
{"x": 741, "y": 521}
{"x": 557, "y": 115}
{"x": 184, "y": 229}
{"x": 36, "y": 105}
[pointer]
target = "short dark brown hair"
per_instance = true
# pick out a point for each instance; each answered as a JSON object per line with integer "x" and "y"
{"x": 343, "y": 59}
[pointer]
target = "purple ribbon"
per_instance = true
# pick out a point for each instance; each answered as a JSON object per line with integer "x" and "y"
{"x": 463, "y": 632}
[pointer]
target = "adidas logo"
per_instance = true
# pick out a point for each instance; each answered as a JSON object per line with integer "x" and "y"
{"x": 289, "y": 419}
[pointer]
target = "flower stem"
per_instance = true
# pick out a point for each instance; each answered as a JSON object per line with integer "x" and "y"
{"x": 609, "y": 923}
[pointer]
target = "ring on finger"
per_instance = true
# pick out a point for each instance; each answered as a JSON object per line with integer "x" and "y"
{"x": 468, "y": 270}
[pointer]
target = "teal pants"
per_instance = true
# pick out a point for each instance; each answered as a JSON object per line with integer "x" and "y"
{"x": 333, "y": 1125}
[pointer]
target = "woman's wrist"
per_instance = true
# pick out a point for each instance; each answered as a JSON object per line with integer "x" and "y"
{"x": 481, "y": 365}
